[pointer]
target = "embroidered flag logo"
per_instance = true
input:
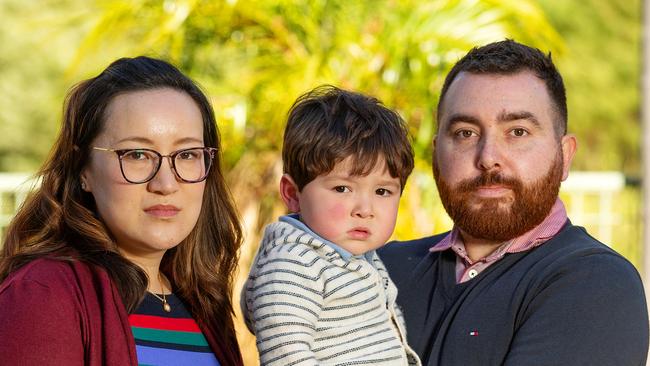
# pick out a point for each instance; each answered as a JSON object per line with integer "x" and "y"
{"x": 473, "y": 333}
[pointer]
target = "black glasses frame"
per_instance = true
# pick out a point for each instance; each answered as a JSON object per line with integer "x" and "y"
{"x": 211, "y": 151}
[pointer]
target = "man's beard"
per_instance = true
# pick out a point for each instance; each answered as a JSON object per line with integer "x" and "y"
{"x": 501, "y": 218}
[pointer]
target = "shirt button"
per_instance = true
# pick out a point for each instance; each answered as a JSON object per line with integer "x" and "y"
{"x": 472, "y": 273}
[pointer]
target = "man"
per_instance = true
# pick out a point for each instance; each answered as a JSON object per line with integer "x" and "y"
{"x": 514, "y": 282}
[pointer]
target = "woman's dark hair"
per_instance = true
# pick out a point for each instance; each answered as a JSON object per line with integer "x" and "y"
{"x": 59, "y": 220}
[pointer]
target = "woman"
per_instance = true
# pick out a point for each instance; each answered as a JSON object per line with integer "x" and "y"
{"x": 126, "y": 251}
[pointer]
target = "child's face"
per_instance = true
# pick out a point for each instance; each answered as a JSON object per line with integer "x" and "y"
{"x": 357, "y": 213}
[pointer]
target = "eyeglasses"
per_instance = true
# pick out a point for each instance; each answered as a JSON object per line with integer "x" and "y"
{"x": 141, "y": 165}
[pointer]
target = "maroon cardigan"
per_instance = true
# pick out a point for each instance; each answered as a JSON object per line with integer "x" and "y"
{"x": 70, "y": 313}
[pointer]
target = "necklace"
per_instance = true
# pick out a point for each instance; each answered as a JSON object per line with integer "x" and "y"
{"x": 166, "y": 307}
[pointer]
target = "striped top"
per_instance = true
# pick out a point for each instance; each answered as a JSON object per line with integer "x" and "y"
{"x": 166, "y": 339}
{"x": 307, "y": 305}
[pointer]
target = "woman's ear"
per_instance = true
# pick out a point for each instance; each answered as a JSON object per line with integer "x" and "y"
{"x": 83, "y": 181}
{"x": 290, "y": 193}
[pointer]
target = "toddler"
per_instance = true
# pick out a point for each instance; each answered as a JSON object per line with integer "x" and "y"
{"x": 317, "y": 293}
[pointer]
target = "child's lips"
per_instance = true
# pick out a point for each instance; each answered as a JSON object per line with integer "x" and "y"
{"x": 359, "y": 233}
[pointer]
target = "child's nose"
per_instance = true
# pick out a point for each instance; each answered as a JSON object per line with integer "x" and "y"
{"x": 363, "y": 208}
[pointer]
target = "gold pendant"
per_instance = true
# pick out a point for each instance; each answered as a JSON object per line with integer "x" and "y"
{"x": 167, "y": 307}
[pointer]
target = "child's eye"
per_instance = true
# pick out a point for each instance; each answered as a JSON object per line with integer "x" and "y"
{"x": 342, "y": 189}
{"x": 383, "y": 192}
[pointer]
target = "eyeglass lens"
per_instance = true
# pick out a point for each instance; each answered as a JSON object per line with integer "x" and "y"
{"x": 140, "y": 165}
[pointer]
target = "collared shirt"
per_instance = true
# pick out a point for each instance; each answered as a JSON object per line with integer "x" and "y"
{"x": 294, "y": 220}
{"x": 467, "y": 269}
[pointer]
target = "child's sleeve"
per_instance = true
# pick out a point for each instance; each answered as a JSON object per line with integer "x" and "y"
{"x": 282, "y": 301}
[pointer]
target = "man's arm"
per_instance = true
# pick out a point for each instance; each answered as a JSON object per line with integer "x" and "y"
{"x": 402, "y": 257}
{"x": 592, "y": 311}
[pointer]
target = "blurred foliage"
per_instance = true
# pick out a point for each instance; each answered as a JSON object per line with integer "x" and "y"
{"x": 601, "y": 68}
{"x": 253, "y": 58}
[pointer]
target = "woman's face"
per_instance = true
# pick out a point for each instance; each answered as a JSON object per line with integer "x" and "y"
{"x": 149, "y": 218}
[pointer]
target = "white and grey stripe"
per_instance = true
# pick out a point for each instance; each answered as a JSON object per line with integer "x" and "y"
{"x": 309, "y": 306}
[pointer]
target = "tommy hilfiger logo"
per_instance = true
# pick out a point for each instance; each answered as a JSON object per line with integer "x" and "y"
{"x": 473, "y": 333}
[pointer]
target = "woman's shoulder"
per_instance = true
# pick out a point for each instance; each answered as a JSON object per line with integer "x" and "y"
{"x": 47, "y": 272}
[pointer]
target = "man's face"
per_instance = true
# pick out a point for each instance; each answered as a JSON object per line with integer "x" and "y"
{"x": 498, "y": 163}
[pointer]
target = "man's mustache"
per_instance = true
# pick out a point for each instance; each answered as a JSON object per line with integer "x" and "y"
{"x": 488, "y": 179}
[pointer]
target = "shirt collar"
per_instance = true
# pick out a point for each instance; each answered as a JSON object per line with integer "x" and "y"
{"x": 534, "y": 237}
{"x": 294, "y": 220}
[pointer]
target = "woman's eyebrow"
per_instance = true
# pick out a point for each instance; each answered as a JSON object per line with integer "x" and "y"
{"x": 148, "y": 141}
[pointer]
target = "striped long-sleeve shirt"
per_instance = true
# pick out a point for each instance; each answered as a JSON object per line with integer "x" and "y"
{"x": 307, "y": 305}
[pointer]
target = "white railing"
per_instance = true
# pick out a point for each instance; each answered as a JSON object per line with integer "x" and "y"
{"x": 591, "y": 202}
{"x": 590, "y": 197}
{"x": 14, "y": 187}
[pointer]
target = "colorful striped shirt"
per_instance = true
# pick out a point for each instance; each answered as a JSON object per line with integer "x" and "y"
{"x": 165, "y": 339}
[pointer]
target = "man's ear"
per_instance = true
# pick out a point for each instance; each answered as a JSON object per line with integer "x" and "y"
{"x": 569, "y": 146}
{"x": 433, "y": 145}
{"x": 290, "y": 193}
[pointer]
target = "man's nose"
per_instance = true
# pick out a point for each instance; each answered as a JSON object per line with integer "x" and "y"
{"x": 490, "y": 153}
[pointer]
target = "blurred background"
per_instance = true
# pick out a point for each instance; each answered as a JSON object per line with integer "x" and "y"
{"x": 253, "y": 58}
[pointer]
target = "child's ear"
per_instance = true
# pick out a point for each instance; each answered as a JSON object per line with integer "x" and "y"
{"x": 290, "y": 193}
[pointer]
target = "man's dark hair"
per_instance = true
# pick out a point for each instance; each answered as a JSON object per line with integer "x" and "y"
{"x": 327, "y": 125}
{"x": 509, "y": 57}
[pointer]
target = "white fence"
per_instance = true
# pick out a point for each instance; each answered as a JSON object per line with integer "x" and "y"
{"x": 14, "y": 187}
{"x": 592, "y": 200}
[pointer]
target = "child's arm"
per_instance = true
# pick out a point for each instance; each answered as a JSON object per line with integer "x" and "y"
{"x": 283, "y": 299}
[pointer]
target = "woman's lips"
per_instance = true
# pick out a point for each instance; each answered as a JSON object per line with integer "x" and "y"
{"x": 359, "y": 233}
{"x": 162, "y": 210}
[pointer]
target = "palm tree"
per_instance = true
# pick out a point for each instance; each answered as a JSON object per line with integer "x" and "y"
{"x": 255, "y": 57}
